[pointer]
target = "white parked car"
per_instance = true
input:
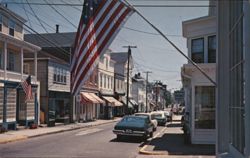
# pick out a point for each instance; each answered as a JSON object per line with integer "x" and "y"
{"x": 150, "y": 118}
{"x": 160, "y": 117}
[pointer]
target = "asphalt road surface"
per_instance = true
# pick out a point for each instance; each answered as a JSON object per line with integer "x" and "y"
{"x": 95, "y": 142}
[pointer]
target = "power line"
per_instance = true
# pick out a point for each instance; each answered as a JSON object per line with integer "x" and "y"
{"x": 150, "y": 33}
{"x": 50, "y": 4}
{"x": 135, "y": 5}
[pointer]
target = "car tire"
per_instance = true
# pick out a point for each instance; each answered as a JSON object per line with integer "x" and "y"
{"x": 145, "y": 138}
{"x": 118, "y": 137}
{"x": 151, "y": 134}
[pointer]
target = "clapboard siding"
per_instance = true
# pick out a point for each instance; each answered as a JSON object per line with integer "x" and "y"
{"x": 42, "y": 73}
{"x": 52, "y": 86}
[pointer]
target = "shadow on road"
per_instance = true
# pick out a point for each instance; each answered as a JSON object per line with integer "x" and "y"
{"x": 174, "y": 125}
{"x": 174, "y": 144}
{"x": 128, "y": 139}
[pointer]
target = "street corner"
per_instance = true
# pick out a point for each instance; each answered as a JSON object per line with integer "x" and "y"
{"x": 8, "y": 139}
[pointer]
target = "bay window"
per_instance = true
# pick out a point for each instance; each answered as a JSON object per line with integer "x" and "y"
{"x": 197, "y": 50}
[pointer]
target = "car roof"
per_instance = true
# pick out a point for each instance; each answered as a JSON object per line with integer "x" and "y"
{"x": 142, "y": 113}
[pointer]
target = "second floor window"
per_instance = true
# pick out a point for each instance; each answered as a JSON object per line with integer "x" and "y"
{"x": 60, "y": 75}
{"x": 197, "y": 50}
{"x": 212, "y": 49}
{"x": 1, "y": 22}
{"x": 11, "y": 61}
{"x": 11, "y": 27}
{"x": 26, "y": 67}
{"x": 101, "y": 80}
{"x": 1, "y": 58}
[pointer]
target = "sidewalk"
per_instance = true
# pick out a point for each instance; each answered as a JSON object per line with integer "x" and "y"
{"x": 12, "y": 136}
{"x": 170, "y": 143}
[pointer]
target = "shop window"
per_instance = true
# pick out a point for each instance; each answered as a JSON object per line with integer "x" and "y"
{"x": 197, "y": 50}
{"x": 205, "y": 107}
{"x": 212, "y": 49}
{"x": 11, "y": 27}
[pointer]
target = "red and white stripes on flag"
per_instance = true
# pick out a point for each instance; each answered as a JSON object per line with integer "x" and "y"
{"x": 100, "y": 22}
{"x": 26, "y": 85}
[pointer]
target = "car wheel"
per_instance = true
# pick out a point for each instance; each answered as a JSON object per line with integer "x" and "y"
{"x": 151, "y": 134}
{"x": 118, "y": 137}
{"x": 145, "y": 138}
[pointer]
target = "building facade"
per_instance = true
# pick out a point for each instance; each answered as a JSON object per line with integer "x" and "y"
{"x": 54, "y": 74}
{"x": 13, "y": 49}
{"x": 120, "y": 67}
{"x": 139, "y": 92}
{"x": 233, "y": 79}
{"x": 106, "y": 84}
{"x": 199, "y": 91}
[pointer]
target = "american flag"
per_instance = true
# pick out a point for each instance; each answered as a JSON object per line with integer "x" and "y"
{"x": 100, "y": 22}
{"x": 26, "y": 84}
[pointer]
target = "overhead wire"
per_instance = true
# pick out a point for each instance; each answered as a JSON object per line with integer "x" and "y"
{"x": 60, "y": 13}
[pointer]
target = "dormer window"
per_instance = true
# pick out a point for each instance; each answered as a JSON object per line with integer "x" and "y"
{"x": 11, "y": 27}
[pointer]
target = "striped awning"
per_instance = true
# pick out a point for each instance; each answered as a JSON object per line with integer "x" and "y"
{"x": 90, "y": 98}
{"x": 113, "y": 101}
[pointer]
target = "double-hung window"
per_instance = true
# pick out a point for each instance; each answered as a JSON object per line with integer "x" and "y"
{"x": 11, "y": 61}
{"x": 11, "y": 27}
{"x": 212, "y": 49}
{"x": 1, "y": 22}
{"x": 197, "y": 50}
{"x": 55, "y": 74}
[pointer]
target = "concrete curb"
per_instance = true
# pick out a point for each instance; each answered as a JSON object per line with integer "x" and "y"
{"x": 16, "y": 138}
{"x": 145, "y": 152}
{"x": 23, "y": 137}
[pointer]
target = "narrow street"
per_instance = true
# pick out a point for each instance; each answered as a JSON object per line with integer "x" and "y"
{"x": 92, "y": 142}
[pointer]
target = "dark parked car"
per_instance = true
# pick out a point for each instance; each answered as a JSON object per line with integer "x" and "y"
{"x": 134, "y": 126}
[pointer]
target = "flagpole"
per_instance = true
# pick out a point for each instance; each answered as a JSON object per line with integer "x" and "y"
{"x": 171, "y": 43}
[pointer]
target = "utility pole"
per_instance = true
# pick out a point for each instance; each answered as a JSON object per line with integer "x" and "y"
{"x": 128, "y": 71}
{"x": 147, "y": 72}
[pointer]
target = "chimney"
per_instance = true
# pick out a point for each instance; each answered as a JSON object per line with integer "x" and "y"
{"x": 57, "y": 28}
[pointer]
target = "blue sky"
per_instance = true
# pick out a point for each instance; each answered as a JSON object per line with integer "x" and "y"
{"x": 153, "y": 52}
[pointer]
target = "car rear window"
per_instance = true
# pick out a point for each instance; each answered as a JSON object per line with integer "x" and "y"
{"x": 156, "y": 116}
{"x": 134, "y": 119}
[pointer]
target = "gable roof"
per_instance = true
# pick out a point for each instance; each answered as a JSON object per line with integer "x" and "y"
{"x": 119, "y": 57}
{"x": 60, "y": 39}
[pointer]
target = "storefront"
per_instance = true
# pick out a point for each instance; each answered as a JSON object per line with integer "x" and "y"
{"x": 59, "y": 108}
{"x": 89, "y": 106}
{"x": 109, "y": 108}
